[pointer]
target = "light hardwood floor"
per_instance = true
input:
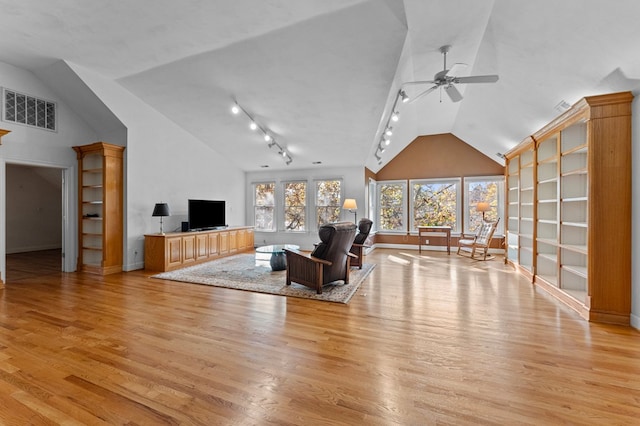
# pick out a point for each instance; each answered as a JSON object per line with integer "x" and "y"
{"x": 430, "y": 339}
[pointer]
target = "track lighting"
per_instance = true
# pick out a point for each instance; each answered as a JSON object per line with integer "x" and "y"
{"x": 389, "y": 131}
{"x": 236, "y": 109}
{"x": 395, "y": 116}
{"x": 404, "y": 97}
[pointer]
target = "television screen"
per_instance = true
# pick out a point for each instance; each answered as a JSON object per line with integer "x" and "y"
{"x": 206, "y": 214}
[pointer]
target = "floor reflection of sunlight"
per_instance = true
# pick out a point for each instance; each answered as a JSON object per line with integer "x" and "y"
{"x": 399, "y": 260}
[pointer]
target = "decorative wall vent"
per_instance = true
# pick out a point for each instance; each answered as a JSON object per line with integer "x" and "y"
{"x": 31, "y": 111}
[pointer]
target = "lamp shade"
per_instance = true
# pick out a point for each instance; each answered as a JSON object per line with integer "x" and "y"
{"x": 483, "y": 207}
{"x": 350, "y": 203}
{"x": 161, "y": 209}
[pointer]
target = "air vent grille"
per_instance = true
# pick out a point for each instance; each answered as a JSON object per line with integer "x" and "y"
{"x": 31, "y": 111}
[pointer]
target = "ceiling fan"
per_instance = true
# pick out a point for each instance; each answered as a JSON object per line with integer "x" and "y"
{"x": 448, "y": 77}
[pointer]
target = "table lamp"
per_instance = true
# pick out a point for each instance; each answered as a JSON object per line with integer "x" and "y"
{"x": 161, "y": 210}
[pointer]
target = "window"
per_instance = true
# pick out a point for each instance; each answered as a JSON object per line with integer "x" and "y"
{"x": 371, "y": 195}
{"x": 391, "y": 206}
{"x": 435, "y": 202}
{"x": 295, "y": 204}
{"x": 486, "y": 189}
{"x": 264, "y": 206}
{"x": 328, "y": 196}
{"x": 25, "y": 109}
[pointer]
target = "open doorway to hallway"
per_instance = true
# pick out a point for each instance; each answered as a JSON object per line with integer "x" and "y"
{"x": 34, "y": 225}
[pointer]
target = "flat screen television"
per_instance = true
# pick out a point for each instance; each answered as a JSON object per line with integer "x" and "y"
{"x": 206, "y": 214}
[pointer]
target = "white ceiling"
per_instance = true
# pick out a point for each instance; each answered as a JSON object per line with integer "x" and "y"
{"x": 321, "y": 75}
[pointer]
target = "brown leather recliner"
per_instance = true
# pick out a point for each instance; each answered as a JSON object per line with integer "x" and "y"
{"x": 328, "y": 262}
{"x": 364, "y": 227}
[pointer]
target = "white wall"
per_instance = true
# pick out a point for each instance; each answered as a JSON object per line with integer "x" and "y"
{"x": 164, "y": 163}
{"x": 353, "y": 186}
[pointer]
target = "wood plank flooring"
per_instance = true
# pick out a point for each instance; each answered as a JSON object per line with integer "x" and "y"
{"x": 427, "y": 339}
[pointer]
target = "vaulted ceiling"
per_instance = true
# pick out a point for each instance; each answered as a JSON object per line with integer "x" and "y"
{"x": 322, "y": 75}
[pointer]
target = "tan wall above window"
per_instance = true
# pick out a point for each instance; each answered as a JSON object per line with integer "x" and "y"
{"x": 439, "y": 156}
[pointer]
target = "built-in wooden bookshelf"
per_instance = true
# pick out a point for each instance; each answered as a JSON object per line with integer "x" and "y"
{"x": 575, "y": 218}
{"x": 100, "y": 207}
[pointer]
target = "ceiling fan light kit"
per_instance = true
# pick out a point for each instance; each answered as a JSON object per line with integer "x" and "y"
{"x": 445, "y": 79}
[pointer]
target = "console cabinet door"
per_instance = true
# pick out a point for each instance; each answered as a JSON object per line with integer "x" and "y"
{"x": 224, "y": 243}
{"x": 202, "y": 251}
{"x": 188, "y": 249}
{"x": 174, "y": 252}
{"x": 214, "y": 247}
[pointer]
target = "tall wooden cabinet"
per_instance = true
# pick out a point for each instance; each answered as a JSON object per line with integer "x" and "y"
{"x": 100, "y": 208}
{"x": 569, "y": 189}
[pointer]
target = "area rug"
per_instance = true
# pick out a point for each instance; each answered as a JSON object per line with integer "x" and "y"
{"x": 246, "y": 272}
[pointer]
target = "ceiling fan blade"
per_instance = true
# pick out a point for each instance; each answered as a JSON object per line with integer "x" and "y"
{"x": 455, "y": 69}
{"x": 426, "y": 92}
{"x": 477, "y": 79}
{"x": 453, "y": 93}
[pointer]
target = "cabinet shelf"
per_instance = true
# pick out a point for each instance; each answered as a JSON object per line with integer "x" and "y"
{"x": 100, "y": 230}
{"x": 581, "y": 171}
{"x": 574, "y": 224}
{"x": 582, "y": 249}
{"x": 575, "y": 269}
{"x": 93, "y": 171}
{"x": 582, "y": 245}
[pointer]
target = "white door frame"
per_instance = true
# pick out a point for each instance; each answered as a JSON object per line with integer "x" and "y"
{"x": 69, "y": 214}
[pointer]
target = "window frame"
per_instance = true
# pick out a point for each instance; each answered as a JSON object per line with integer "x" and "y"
{"x": 379, "y": 185}
{"x": 274, "y": 206}
{"x": 500, "y": 202}
{"x": 305, "y": 209}
{"x": 457, "y": 181}
{"x": 316, "y": 206}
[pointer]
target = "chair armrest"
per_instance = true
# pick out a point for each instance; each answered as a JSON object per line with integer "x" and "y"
{"x": 299, "y": 254}
{"x": 352, "y": 255}
{"x": 467, "y": 236}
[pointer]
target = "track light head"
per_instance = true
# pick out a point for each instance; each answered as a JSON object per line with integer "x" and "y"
{"x": 253, "y": 125}
{"x": 395, "y": 116}
{"x": 389, "y": 131}
{"x": 267, "y": 137}
{"x": 271, "y": 144}
{"x": 235, "y": 109}
{"x": 404, "y": 97}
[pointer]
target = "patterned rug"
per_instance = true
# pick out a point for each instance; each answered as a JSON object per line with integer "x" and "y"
{"x": 251, "y": 272}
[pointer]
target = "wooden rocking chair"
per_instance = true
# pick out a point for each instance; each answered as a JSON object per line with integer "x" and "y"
{"x": 479, "y": 242}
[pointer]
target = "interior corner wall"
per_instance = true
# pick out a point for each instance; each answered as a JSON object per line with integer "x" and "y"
{"x": 164, "y": 163}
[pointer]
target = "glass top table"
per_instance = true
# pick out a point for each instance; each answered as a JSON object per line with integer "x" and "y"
{"x": 278, "y": 259}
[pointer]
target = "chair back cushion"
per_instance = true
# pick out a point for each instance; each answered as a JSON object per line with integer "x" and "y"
{"x": 336, "y": 240}
{"x": 486, "y": 233}
{"x": 364, "y": 227}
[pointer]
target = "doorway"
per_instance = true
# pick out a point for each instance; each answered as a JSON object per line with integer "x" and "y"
{"x": 35, "y": 206}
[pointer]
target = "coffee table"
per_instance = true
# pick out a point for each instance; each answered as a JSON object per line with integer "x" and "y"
{"x": 278, "y": 259}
